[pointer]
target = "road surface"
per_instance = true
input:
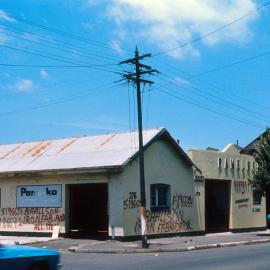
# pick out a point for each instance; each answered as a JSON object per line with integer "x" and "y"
{"x": 237, "y": 258}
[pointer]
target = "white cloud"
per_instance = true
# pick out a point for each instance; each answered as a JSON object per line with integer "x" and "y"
{"x": 44, "y": 74}
{"x": 3, "y": 38}
{"x": 180, "y": 81}
{"x": 87, "y": 26}
{"x": 29, "y": 36}
{"x": 23, "y": 85}
{"x": 117, "y": 47}
{"x": 5, "y": 16}
{"x": 168, "y": 23}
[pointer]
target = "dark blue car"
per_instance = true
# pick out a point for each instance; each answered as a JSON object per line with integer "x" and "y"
{"x": 28, "y": 258}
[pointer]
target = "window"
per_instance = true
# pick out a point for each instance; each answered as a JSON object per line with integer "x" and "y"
{"x": 243, "y": 165}
{"x": 219, "y": 162}
{"x": 232, "y": 163}
{"x": 160, "y": 197}
{"x": 225, "y": 163}
{"x": 257, "y": 197}
{"x": 238, "y": 164}
{"x": 248, "y": 166}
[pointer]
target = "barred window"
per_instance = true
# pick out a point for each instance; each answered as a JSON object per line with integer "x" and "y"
{"x": 160, "y": 196}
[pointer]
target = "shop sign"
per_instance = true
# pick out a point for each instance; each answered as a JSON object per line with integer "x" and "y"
{"x": 39, "y": 196}
{"x": 199, "y": 179}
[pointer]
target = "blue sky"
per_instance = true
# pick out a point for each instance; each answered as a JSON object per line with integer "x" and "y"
{"x": 210, "y": 93}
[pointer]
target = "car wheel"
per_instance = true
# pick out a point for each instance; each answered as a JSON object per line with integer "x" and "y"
{"x": 39, "y": 266}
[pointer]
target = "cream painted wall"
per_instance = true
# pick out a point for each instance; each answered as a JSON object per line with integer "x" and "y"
{"x": 163, "y": 165}
{"x": 243, "y": 214}
{"x": 115, "y": 206}
{"x": 40, "y": 220}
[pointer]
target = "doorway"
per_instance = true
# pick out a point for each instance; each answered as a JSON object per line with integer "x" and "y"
{"x": 88, "y": 210}
{"x": 217, "y": 205}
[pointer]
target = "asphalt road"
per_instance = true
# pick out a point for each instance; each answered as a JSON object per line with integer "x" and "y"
{"x": 236, "y": 258}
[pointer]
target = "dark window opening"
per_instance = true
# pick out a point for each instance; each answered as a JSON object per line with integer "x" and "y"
{"x": 160, "y": 197}
{"x": 232, "y": 163}
{"x": 238, "y": 164}
{"x": 257, "y": 198}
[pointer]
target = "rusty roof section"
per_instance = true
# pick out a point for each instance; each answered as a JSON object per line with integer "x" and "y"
{"x": 67, "y": 145}
{"x": 10, "y": 152}
{"x": 107, "y": 150}
{"x": 106, "y": 140}
{"x": 112, "y": 150}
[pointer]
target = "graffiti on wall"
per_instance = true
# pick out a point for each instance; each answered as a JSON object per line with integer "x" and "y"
{"x": 164, "y": 221}
{"x": 40, "y": 219}
{"x": 242, "y": 203}
{"x": 241, "y": 186}
{"x": 131, "y": 202}
{"x": 181, "y": 201}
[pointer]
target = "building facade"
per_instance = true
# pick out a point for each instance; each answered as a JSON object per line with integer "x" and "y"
{"x": 230, "y": 202}
{"x": 89, "y": 186}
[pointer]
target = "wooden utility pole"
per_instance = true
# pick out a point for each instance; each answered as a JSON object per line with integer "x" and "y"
{"x": 136, "y": 78}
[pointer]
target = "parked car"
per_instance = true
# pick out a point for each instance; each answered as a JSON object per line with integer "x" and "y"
{"x": 28, "y": 258}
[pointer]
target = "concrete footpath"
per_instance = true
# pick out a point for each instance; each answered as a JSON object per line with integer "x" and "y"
{"x": 22, "y": 240}
{"x": 172, "y": 244}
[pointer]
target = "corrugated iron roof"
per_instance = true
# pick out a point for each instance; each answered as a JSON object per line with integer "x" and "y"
{"x": 109, "y": 150}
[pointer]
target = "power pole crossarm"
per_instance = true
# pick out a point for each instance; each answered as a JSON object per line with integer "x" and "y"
{"x": 132, "y": 60}
{"x": 140, "y": 69}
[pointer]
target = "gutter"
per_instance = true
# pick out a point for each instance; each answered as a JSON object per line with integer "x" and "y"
{"x": 55, "y": 172}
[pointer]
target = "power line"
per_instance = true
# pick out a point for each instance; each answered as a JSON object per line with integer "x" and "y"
{"x": 52, "y": 66}
{"x": 52, "y": 57}
{"x": 63, "y": 33}
{"x": 245, "y": 60}
{"x": 214, "y": 31}
{"x": 221, "y": 101}
{"x": 213, "y": 87}
{"x": 61, "y": 85}
{"x": 54, "y": 86}
{"x": 134, "y": 108}
{"x": 246, "y": 122}
{"x": 129, "y": 118}
{"x": 147, "y": 108}
{"x": 56, "y": 101}
{"x": 195, "y": 102}
{"x": 57, "y": 44}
